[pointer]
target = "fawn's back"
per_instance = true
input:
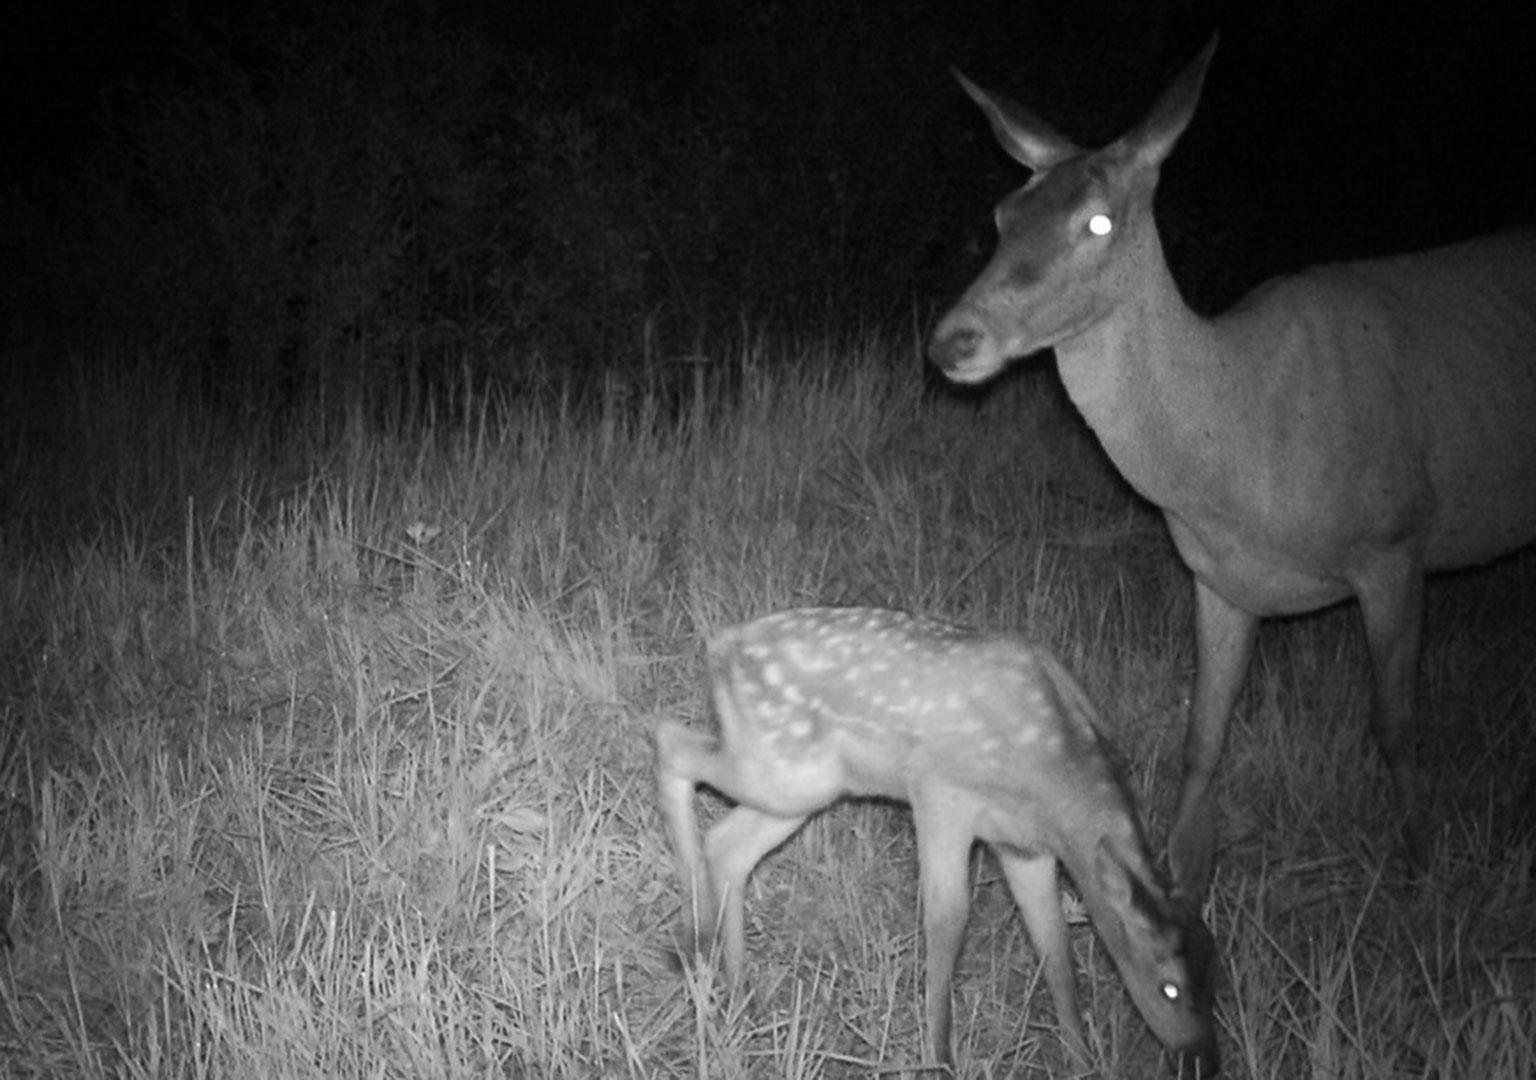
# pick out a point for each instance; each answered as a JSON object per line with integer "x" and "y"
{"x": 892, "y": 703}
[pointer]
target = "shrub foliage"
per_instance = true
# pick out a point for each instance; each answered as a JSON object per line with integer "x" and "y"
{"x": 312, "y": 200}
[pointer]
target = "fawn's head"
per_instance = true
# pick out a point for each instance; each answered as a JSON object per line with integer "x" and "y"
{"x": 1164, "y": 951}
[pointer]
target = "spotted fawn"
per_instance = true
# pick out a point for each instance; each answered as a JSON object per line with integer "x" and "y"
{"x": 987, "y": 738}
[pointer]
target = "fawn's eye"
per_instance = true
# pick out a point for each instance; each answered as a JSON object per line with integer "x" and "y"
{"x": 1100, "y": 225}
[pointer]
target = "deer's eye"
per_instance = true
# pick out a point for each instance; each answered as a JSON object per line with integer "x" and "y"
{"x": 1171, "y": 992}
{"x": 1100, "y": 225}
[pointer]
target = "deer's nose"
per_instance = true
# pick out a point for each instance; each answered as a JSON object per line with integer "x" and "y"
{"x": 953, "y": 345}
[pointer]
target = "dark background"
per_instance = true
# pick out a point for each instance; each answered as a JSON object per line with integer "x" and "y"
{"x": 274, "y": 198}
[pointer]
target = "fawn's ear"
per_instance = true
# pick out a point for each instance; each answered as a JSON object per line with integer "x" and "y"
{"x": 1112, "y": 867}
{"x": 1121, "y": 872}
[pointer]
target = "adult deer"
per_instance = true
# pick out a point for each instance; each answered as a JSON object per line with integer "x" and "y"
{"x": 1337, "y": 433}
{"x": 987, "y": 738}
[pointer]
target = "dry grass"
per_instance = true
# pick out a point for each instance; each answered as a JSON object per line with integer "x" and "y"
{"x": 337, "y": 763}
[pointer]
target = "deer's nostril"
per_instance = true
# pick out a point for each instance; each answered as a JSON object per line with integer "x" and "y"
{"x": 954, "y": 347}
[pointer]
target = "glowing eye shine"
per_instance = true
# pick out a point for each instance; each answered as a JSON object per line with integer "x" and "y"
{"x": 1171, "y": 991}
{"x": 1100, "y": 225}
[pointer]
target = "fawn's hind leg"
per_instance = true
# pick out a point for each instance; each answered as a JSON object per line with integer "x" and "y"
{"x": 735, "y": 845}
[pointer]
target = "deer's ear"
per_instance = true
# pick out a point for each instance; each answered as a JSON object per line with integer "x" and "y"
{"x": 1023, "y": 136}
{"x": 1153, "y": 139}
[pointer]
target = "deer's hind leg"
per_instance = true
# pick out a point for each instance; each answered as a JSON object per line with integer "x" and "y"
{"x": 1392, "y": 605}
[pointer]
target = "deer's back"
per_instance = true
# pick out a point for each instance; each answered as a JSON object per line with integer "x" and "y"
{"x": 1469, "y": 354}
{"x": 1430, "y": 358}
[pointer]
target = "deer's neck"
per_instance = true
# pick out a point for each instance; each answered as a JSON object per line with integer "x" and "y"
{"x": 1154, "y": 381}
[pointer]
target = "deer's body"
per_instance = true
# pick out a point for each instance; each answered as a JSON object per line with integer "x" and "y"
{"x": 1338, "y": 433}
{"x": 987, "y": 738}
{"x": 1330, "y": 416}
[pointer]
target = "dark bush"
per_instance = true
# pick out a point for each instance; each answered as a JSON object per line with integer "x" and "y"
{"x": 314, "y": 202}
